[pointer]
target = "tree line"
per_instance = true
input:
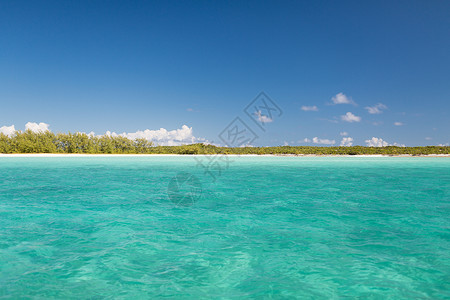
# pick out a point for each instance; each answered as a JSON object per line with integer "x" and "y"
{"x": 49, "y": 142}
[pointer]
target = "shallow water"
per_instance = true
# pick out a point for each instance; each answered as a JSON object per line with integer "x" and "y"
{"x": 266, "y": 227}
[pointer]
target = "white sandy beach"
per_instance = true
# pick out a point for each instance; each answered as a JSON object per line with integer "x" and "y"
{"x": 189, "y": 155}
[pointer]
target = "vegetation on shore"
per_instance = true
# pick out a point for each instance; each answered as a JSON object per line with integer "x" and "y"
{"x": 49, "y": 142}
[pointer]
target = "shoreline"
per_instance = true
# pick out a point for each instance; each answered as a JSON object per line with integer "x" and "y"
{"x": 191, "y": 155}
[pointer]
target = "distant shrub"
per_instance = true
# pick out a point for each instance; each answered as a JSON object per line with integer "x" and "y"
{"x": 48, "y": 142}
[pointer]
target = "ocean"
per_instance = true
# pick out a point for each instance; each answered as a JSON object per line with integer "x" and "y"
{"x": 193, "y": 227}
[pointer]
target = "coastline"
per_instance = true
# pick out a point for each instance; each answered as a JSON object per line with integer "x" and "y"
{"x": 188, "y": 155}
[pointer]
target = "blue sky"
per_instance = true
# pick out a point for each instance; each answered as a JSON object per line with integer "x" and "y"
{"x": 125, "y": 66}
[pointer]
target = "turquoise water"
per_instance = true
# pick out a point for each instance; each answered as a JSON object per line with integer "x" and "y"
{"x": 267, "y": 227}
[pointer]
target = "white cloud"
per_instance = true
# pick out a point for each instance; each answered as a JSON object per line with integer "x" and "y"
{"x": 262, "y": 118}
{"x": 163, "y": 136}
{"x": 376, "y": 142}
{"x": 341, "y": 98}
{"x": 379, "y": 142}
{"x": 377, "y": 109}
{"x": 35, "y": 127}
{"x": 8, "y": 130}
{"x": 309, "y": 108}
{"x": 343, "y": 133}
{"x": 398, "y": 124}
{"x": 428, "y": 138}
{"x": 316, "y": 140}
{"x": 443, "y": 145}
{"x": 347, "y": 141}
{"x": 306, "y": 140}
{"x": 349, "y": 117}
{"x": 398, "y": 145}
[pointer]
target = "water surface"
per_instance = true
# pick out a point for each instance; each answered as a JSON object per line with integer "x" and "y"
{"x": 267, "y": 227}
